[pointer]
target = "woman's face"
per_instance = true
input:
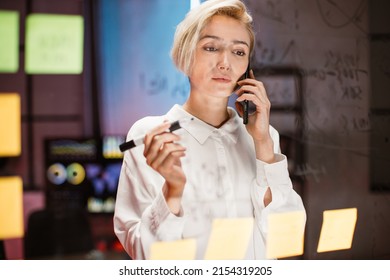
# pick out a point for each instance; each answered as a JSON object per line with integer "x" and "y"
{"x": 221, "y": 57}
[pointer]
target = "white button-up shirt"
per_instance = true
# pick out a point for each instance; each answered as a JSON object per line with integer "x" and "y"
{"x": 224, "y": 180}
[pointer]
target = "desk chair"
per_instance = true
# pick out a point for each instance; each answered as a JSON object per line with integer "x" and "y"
{"x": 2, "y": 250}
{"x": 53, "y": 235}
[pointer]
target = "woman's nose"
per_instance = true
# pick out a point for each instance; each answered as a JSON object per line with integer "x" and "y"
{"x": 223, "y": 67}
{"x": 223, "y": 63}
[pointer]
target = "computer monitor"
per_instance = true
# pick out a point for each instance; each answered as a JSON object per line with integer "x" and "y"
{"x": 102, "y": 186}
{"x": 83, "y": 173}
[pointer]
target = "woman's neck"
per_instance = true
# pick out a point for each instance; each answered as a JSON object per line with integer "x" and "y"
{"x": 212, "y": 111}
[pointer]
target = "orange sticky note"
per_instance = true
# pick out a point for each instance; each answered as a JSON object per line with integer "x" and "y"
{"x": 11, "y": 207}
{"x": 285, "y": 236}
{"x": 337, "y": 229}
{"x": 10, "y": 125}
{"x": 184, "y": 249}
{"x": 229, "y": 239}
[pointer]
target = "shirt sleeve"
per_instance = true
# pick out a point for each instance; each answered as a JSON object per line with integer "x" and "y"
{"x": 277, "y": 178}
{"x": 142, "y": 216}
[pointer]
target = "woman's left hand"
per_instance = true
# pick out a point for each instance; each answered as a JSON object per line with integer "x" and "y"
{"x": 258, "y": 122}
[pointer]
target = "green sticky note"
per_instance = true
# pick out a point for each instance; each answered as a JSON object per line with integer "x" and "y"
{"x": 9, "y": 41}
{"x": 54, "y": 44}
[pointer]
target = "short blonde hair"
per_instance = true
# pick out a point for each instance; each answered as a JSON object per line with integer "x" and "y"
{"x": 188, "y": 31}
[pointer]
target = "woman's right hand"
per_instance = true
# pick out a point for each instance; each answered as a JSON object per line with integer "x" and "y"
{"x": 163, "y": 154}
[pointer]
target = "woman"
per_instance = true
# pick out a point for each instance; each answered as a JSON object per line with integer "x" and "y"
{"x": 215, "y": 167}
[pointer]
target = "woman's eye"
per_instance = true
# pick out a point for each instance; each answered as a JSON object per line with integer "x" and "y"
{"x": 210, "y": 49}
{"x": 240, "y": 53}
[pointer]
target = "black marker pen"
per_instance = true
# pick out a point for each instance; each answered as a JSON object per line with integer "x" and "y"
{"x": 139, "y": 141}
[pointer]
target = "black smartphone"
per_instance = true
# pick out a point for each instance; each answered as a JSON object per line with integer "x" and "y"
{"x": 245, "y": 103}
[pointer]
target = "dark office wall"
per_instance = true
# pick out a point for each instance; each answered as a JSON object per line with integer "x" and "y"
{"x": 344, "y": 137}
{"x": 52, "y": 105}
{"x": 379, "y": 22}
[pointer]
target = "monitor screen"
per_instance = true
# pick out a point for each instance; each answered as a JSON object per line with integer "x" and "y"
{"x": 83, "y": 173}
{"x": 102, "y": 180}
{"x": 110, "y": 146}
{"x": 69, "y": 150}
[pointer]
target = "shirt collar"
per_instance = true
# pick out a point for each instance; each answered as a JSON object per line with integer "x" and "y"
{"x": 201, "y": 130}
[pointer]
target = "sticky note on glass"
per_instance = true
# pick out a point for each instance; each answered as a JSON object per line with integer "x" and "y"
{"x": 54, "y": 44}
{"x": 11, "y": 207}
{"x": 10, "y": 125}
{"x": 184, "y": 249}
{"x": 229, "y": 239}
{"x": 9, "y": 42}
{"x": 285, "y": 236}
{"x": 337, "y": 230}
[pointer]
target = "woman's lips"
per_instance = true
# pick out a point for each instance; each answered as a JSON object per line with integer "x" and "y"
{"x": 222, "y": 79}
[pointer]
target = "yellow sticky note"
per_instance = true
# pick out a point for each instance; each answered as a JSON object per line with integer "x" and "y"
{"x": 337, "y": 230}
{"x": 54, "y": 44}
{"x": 11, "y": 207}
{"x": 9, "y": 42}
{"x": 184, "y": 249}
{"x": 229, "y": 239}
{"x": 10, "y": 125}
{"x": 285, "y": 236}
